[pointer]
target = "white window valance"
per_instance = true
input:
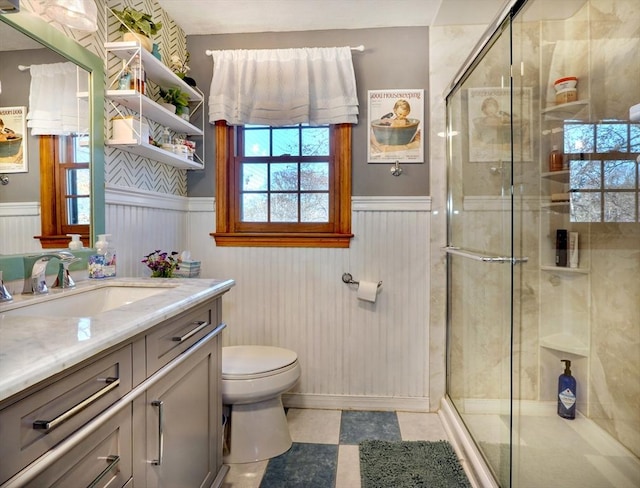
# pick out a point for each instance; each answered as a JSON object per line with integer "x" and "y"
{"x": 54, "y": 105}
{"x": 283, "y": 86}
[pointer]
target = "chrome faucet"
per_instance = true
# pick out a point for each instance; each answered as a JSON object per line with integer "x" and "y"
{"x": 5, "y": 296}
{"x": 64, "y": 279}
{"x": 35, "y": 267}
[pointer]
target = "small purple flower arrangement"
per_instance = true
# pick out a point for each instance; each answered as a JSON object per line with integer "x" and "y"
{"x": 162, "y": 263}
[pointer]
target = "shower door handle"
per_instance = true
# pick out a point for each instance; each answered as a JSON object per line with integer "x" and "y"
{"x": 483, "y": 258}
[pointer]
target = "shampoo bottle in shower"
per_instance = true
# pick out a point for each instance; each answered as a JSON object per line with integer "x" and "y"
{"x": 555, "y": 159}
{"x": 567, "y": 392}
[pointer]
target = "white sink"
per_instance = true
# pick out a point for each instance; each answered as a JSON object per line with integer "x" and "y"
{"x": 86, "y": 303}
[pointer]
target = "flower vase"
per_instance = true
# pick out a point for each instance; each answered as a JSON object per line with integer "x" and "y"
{"x": 162, "y": 273}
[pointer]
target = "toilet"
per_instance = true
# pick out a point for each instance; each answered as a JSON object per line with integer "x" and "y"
{"x": 253, "y": 381}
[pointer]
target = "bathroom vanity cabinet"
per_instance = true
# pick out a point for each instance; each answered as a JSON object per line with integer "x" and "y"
{"x": 145, "y": 412}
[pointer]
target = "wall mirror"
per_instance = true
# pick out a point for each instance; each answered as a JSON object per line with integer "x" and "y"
{"x": 26, "y": 40}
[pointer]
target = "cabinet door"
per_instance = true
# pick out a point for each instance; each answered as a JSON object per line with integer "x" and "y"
{"x": 102, "y": 459}
{"x": 182, "y": 422}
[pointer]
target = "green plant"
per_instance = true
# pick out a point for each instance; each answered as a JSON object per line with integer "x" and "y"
{"x": 175, "y": 97}
{"x": 136, "y": 21}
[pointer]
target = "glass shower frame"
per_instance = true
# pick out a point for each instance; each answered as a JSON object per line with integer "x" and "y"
{"x": 512, "y": 315}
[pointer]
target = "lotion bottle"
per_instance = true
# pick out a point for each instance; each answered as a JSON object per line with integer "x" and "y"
{"x": 555, "y": 159}
{"x": 567, "y": 392}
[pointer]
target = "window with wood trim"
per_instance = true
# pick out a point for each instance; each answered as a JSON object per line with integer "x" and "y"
{"x": 283, "y": 186}
{"x": 65, "y": 187}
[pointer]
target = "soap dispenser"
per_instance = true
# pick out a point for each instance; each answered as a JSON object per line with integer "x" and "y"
{"x": 75, "y": 243}
{"x": 105, "y": 249}
{"x": 567, "y": 392}
{"x": 103, "y": 263}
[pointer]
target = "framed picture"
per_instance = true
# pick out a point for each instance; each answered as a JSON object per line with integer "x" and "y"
{"x": 490, "y": 117}
{"x": 395, "y": 122}
{"x": 13, "y": 140}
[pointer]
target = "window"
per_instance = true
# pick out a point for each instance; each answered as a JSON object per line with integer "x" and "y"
{"x": 283, "y": 186}
{"x": 66, "y": 183}
{"x": 604, "y": 180}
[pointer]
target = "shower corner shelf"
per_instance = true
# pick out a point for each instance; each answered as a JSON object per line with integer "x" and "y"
{"x": 558, "y": 207}
{"x": 565, "y": 111}
{"x": 561, "y": 176}
{"x": 561, "y": 269}
{"x": 565, "y": 343}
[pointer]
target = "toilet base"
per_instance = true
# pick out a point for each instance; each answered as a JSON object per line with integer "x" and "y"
{"x": 257, "y": 431}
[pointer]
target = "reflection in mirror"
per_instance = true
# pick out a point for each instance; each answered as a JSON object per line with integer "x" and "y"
{"x": 58, "y": 189}
{"x": 16, "y": 49}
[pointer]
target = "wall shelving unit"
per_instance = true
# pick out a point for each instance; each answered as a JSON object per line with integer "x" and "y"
{"x": 144, "y": 106}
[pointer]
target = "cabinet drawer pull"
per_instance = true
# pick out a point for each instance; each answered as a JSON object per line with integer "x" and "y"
{"x": 112, "y": 460}
{"x": 112, "y": 383}
{"x": 160, "y": 405}
{"x": 201, "y": 324}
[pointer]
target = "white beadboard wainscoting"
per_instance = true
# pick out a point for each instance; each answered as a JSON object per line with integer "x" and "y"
{"x": 141, "y": 222}
{"x": 353, "y": 354}
{"x": 19, "y": 223}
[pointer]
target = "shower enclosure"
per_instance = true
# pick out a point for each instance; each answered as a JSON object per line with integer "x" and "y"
{"x": 543, "y": 261}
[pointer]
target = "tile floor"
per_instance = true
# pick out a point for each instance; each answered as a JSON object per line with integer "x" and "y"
{"x": 325, "y": 447}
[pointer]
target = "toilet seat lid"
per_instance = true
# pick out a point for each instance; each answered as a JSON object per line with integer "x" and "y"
{"x": 251, "y": 360}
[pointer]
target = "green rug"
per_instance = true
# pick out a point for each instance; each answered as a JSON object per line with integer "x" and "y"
{"x": 410, "y": 464}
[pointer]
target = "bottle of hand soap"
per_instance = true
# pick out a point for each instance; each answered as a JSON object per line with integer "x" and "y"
{"x": 103, "y": 248}
{"x": 75, "y": 243}
{"x": 567, "y": 392}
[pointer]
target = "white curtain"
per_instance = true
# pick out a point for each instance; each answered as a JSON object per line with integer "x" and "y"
{"x": 283, "y": 87}
{"x": 54, "y": 105}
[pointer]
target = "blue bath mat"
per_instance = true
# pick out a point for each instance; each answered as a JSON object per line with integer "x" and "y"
{"x": 410, "y": 464}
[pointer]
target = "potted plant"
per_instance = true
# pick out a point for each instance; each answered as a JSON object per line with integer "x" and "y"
{"x": 177, "y": 98}
{"x": 181, "y": 68}
{"x": 136, "y": 25}
{"x": 161, "y": 263}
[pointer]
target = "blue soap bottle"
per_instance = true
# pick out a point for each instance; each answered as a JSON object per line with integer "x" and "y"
{"x": 567, "y": 392}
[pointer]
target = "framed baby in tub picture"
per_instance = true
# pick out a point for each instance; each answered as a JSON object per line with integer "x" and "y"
{"x": 490, "y": 118}
{"x": 395, "y": 122}
{"x": 13, "y": 140}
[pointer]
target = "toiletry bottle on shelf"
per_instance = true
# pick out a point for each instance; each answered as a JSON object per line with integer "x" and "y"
{"x": 573, "y": 250}
{"x": 166, "y": 137}
{"x": 567, "y": 391}
{"x": 561, "y": 247}
{"x": 124, "y": 82}
{"x": 555, "y": 159}
{"x": 138, "y": 77}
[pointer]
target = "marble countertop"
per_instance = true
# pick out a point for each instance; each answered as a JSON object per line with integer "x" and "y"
{"x": 33, "y": 348}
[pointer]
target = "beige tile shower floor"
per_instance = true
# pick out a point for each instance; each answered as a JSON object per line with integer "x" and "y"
{"x": 323, "y": 427}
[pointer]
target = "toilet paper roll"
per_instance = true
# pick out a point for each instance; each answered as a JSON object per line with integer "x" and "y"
{"x": 368, "y": 291}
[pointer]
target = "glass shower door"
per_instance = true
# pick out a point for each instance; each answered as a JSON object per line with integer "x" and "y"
{"x": 480, "y": 252}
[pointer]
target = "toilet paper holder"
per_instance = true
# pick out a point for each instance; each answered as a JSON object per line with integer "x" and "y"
{"x": 348, "y": 279}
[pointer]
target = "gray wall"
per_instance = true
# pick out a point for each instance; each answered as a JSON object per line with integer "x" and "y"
{"x": 394, "y": 58}
{"x": 23, "y": 187}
